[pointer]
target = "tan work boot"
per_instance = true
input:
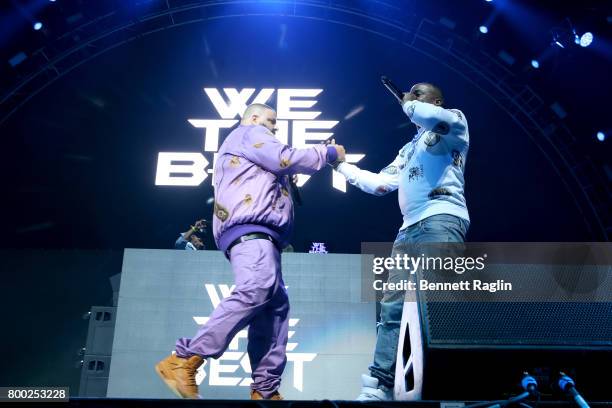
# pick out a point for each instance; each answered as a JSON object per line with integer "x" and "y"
{"x": 255, "y": 395}
{"x": 179, "y": 374}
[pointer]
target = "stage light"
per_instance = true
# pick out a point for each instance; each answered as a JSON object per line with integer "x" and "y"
{"x": 535, "y": 64}
{"x": 601, "y": 136}
{"x": 17, "y": 59}
{"x": 506, "y": 57}
{"x": 483, "y": 29}
{"x": 37, "y": 25}
{"x": 448, "y": 23}
{"x": 74, "y": 18}
{"x": 558, "y": 109}
{"x": 586, "y": 39}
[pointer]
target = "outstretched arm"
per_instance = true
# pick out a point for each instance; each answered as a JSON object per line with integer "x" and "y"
{"x": 381, "y": 183}
{"x": 183, "y": 239}
{"x": 435, "y": 118}
{"x": 263, "y": 149}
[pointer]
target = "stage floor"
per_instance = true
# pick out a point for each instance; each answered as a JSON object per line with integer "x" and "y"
{"x": 158, "y": 403}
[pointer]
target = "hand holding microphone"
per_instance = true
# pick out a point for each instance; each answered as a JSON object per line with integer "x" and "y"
{"x": 393, "y": 89}
{"x": 200, "y": 225}
{"x": 331, "y": 141}
{"x": 339, "y": 150}
{"x": 402, "y": 97}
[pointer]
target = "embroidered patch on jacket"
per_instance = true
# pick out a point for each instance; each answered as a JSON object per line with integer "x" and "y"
{"x": 441, "y": 128}
{"x": 381, "y": 189}
{"x": 234, "y": 162}
{"x": 221, "y": 212}
{"x": 457, "y": 158}
{"x": 248, "y": 199}
{"x": 410, "y": 147}
{"x": 258, "y": 145}
{"x": 439, "y": 191}
{"x": 284, "y": 163}
{"x": 458, "y": 113}
{"x": 415, "y": 173}
{"x": 285, "y": 192}
{"x": 390, "y": 170}
{"x": 431, "y": 139}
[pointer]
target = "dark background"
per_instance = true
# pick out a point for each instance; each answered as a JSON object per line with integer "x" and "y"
{"x": 79, "y": 159}
{"x": 83, "y": 153}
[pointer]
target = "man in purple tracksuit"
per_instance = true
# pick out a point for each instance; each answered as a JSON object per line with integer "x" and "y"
{"x": 253, "y": 218}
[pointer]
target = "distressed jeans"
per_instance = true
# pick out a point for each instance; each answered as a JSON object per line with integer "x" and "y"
{"x": 435, "y": 229}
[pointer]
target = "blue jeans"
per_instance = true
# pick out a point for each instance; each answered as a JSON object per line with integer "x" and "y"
{"x": 437, "y": 228}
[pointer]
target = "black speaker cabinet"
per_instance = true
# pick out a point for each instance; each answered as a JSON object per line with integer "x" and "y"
{"x": 465, "y": 350}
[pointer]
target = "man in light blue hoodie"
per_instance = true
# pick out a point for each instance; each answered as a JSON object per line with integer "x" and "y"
{"x": 253, "y": 219}
{"x": 428, "y": 173}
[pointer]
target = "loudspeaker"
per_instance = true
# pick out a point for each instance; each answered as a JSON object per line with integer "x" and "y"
{"x": 478, "y": 350}
{"x": 100, "y": 331}
{"x": 94, "y": 376}
{"x": 98, "y": 350}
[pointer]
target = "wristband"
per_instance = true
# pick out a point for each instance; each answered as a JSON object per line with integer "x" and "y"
{"x": 335, "y": 164}
{"x": 332, "y": 154}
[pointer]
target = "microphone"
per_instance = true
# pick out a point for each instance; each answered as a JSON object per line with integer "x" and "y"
{"x": 391, "y": 87}
{"x": 295, "y": 192}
